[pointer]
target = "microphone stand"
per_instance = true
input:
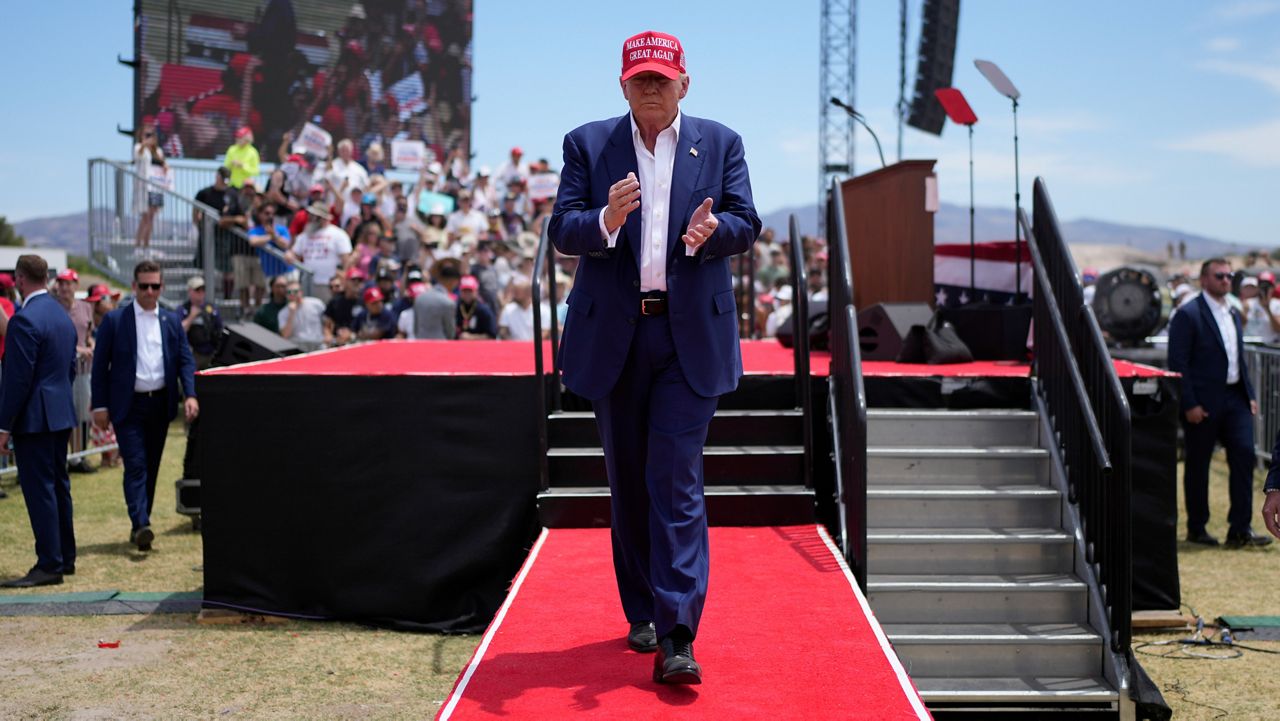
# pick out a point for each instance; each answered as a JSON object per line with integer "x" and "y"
{"x": 858, "y": 117}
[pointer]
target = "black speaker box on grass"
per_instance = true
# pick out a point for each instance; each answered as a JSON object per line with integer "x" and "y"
{"x": 883, "y": 327}
{"x": 248, "y": 342}
{"x": 992, "y": 331}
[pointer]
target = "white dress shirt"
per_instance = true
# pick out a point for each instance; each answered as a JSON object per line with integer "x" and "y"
{"x": 1227, "y": 327}
{"x": 150, "y": 356}
{"x": 655, "y": 170}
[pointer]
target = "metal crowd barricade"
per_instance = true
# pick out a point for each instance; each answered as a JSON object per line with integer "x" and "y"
{"x": 181, "y": 231}
{"x": 1264, "y": 372}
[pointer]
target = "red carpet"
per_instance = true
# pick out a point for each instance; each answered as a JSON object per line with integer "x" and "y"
{"x": 783, "y": 637}
{"x": 515, "y": 358}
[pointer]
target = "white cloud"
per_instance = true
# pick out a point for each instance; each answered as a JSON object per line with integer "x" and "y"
{"x": 1222, "y": 44}
{"x": 1247, "y": 9}
{"x": 1268, "y": 75}
{"x": 1253, "y": 145}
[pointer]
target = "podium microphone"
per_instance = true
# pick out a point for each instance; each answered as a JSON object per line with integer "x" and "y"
{"x": 861, "y": 121}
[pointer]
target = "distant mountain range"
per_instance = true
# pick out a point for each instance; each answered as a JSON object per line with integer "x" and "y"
{"x": 951, "y": 225}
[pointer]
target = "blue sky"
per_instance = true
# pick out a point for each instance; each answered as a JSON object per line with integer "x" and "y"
{"x": 1154, "y": 113}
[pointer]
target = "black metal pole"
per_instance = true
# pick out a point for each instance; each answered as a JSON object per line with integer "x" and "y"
{"x": 972, "y": 248}
{"x": 1017, "y": 206}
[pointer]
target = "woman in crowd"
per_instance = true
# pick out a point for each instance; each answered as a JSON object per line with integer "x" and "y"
{"x": 150, "y": 167}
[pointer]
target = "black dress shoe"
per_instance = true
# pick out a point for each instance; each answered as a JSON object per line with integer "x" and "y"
{"x": 1201, "y": 537}
{"x": 69, "y": 569}
{"x": 642, "y": 637}
{"x": 142, "y": 538}
{"x": 674, "y": 663}
{"x": 1248, "y": 538}
{"x": 34, "y": 577}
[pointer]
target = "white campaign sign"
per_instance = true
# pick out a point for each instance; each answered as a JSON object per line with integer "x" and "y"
{"x": 410, "y": 154}
{"x": 315, "y": 139}
{"x": 543, "y": 185}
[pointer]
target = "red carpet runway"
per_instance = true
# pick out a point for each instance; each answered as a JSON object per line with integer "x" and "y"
{"x": 785, "y": 635}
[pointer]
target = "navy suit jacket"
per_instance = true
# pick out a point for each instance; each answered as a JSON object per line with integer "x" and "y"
{"x": 605, "y": 302}
{"x": 1196, "y": 351}
{"x": 39, "y": 367}
{"x": 115, "y": 362}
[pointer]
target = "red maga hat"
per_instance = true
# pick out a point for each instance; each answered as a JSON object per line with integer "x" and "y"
{"x": 69, "y": 274}
{"x": 652, "y": 51}
{"x": 469, "y": 282}
{"x": 372, "y": 294}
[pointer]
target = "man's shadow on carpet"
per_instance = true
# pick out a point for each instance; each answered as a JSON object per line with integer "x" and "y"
{"x": 591, "y": 669}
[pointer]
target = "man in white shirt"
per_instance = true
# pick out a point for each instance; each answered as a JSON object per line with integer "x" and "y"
{"x": 302, "y": 318}
{"x": 516, "y": 321}
{"x": 321, "y": 248}
{"x": 345, "y": 173}
{"x": 512, "y": 170}
{"x": 1218, "y": 403}
{"x": 466, "y": 220}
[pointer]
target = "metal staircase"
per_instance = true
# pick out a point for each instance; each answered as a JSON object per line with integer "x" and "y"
{"x": 972, "y": 564}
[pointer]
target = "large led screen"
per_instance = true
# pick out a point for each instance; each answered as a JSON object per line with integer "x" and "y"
{"x": 295, "y": 70}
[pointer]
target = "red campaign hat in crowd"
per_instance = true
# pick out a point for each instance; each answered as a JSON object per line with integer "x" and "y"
{"x": 354, "y": 273}
{"x": 6, "y": 280}
{"x": 372, "y": 294}
{"x": 1267, "y": 276}
{"x": 416, "y": 288}
{"x": 100, "y": 291}
{"x": 652, "y": 51}
{"x": 517, "y": 151}
{"x": 69, "y": 274}
{"x": 469, "y": 282}
{"x": 243, "y": 131}
{"x": 316, "y": 189}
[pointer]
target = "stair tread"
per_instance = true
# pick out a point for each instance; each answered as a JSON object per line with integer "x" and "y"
{"x": 561, "y": 491}
{"x": 595, "y": 451}
{"x": 967, "y": 534}
{"x": 1006, "y": 582}
{"x": 990, "y": 632}
{"x": 957, "y": 451}
{"x": 1027, "y": 688}
{"x": 961, "y": 490}
{"x": 727, "y": 413}
{"x": 901, "y": 413}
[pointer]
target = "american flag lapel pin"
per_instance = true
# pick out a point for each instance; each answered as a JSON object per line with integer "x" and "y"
{"x": 693, "y": 152}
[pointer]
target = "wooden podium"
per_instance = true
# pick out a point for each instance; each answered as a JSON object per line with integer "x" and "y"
{"x": 890, "y": 234}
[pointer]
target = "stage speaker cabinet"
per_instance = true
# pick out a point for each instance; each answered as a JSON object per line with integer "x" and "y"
{"x": 248, "y": 342}
{"x": 883, "y": 327}
{"x": 993, "y": 331}
{"x": 935, "y": 61}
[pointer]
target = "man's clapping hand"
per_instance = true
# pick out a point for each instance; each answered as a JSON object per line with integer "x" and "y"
{"x": 624, "y": 197}
{"x": 701, "y": 226}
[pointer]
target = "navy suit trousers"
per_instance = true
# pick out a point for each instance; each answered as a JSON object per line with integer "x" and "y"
{"x": 653, "y": 428}
{"x": 1233, "y": 428}
{"x": 42, "y": 473}
{"x": 141, "y": 436}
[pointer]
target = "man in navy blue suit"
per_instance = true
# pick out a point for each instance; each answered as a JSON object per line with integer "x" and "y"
{"x": 37, "y": 410}
{"x": 1206, "y": 345}
{"x": 142, "y": 369}
{"x": 655, "y": 202}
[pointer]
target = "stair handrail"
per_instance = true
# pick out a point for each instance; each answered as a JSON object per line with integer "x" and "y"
{"x": 1078, "y": 392}
{"x": 848, "y": 396}
{"x": 211, "y": 217}
{"x": 548, "y": 388}
{"x": 800, "y": 345}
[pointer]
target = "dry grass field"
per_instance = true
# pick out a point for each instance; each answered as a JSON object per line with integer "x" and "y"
{"x": 168, "y": 666}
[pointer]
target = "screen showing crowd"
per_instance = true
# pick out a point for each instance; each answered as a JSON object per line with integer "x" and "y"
{"x": 306, "y": 72}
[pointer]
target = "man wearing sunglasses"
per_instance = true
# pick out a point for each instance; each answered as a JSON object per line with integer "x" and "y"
{"x": 1206, "y": 345}
{"x": 142, "y": 368}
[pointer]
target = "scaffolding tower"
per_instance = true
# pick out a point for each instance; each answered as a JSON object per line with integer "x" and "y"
{"x": 836, "y": 75}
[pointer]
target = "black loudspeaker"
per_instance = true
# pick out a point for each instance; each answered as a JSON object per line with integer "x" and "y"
{"x": 248, "y": 342}
{"x": 819, "y": 328}
{"x": 883, "y": 326}
{"x": 934, "y": 63}
{"x": 992, "y": 331}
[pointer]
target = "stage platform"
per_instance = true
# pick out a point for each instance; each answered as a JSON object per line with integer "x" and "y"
{"x": 786, "y": 634}
{"x": 515, "y": 358}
